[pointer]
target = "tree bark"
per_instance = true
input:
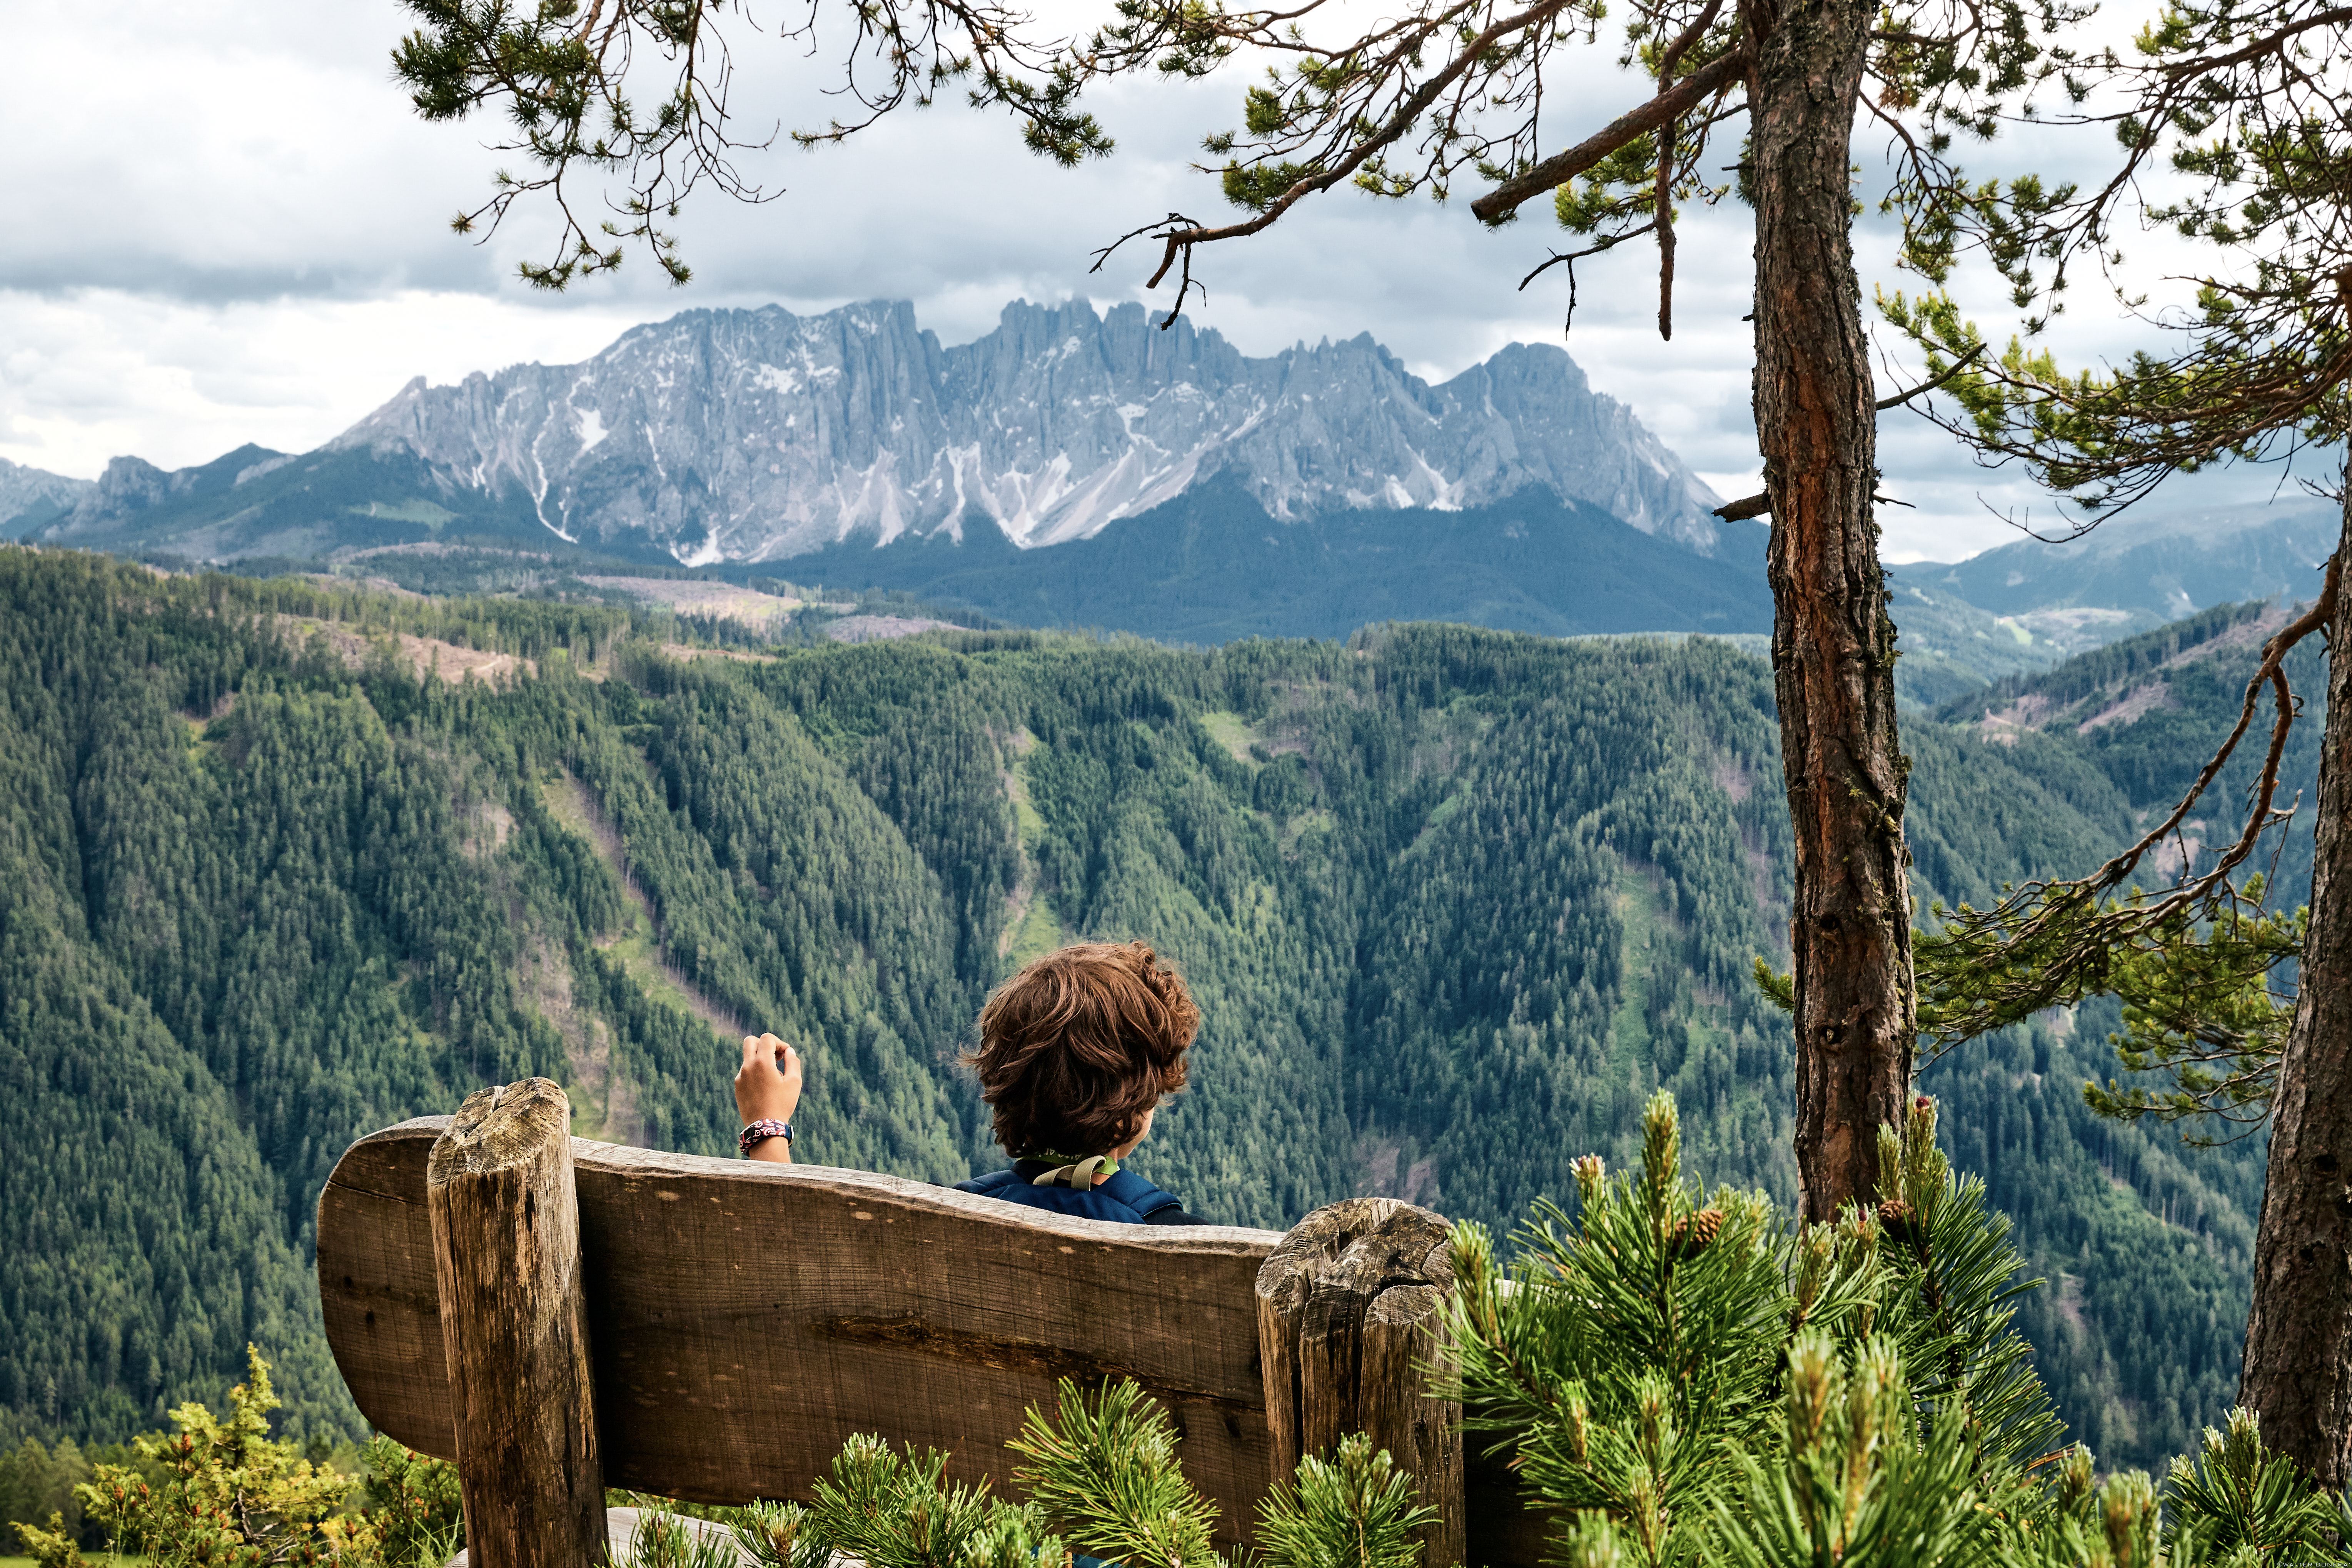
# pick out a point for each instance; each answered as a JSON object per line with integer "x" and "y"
{"x": 1346, "y": 1319}
{"x": 2298, "y": 1369}
{"x": 1832, "y": 643}
{"x": 514, "y": 1325}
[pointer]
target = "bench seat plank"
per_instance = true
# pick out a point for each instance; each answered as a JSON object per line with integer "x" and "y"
{"x": 745, "y": 1318}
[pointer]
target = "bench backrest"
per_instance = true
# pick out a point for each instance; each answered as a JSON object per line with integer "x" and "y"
{"x": 745, "y": 1318}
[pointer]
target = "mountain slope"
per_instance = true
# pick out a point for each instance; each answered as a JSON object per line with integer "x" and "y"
{"x": 1454, "y": 901}
{"x": 1213, "y": 565}
{"x": 257, "y": 502}
{"x": 2148, "y": 710}
{"x": 31, "y": 499}
{"x": 2137, "y": 572}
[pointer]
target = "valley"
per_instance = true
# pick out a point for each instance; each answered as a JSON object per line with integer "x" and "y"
{"x": 1454, "y": 901}
{"x": 534, "y": 727}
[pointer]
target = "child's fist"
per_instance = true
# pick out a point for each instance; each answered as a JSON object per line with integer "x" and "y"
{"x": 768, "y": 1085}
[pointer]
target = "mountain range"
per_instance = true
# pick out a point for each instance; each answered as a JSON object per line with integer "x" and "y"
{"x": 759, "y": 436}
{"x": 1073, "y": 467}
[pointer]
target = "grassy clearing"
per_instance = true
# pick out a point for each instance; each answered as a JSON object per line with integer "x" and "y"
{"x": 637, "y": 946}
{"x": 1231, "y": 732}
{"x": 1638, "y": 915}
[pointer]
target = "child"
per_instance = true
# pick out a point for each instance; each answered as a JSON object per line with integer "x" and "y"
{"x": 1075, "y": 1054}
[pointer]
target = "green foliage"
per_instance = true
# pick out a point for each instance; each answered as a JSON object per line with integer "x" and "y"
{"x": 776, "y": 1535}
{"x": 52, "y": 1548}
{"x": 414, "y": 1505}
{"x": 1953, "y": 1282}
{"x": 233, "y": 1498}
{"x": 1355, "y": 1510}
{"x": 33, "y": 1486}
{"x": 222, "y": 1494}
{"x": 1637, "y": 1351}
{"x": 1860, "y": 1480}
{"x": 1103, "y": 1477}
{"x": 666, "y": 1539}
{"x": 894, "y": 1509}
{"x": 884, "y": 1507}
{"x": 2253, "y": 1503}
{"x": 1103, "y": 1468}
{"x": 2199, "y": 1004}
{"x": 1631, "y": 1350}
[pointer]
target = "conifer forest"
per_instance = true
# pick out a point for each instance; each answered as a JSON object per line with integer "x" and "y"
{"x": 287, "y": 862}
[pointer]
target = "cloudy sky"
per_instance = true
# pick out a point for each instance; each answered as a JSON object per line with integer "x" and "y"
{"x": 228, "y": 227}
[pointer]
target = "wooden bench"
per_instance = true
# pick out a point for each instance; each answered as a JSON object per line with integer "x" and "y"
{"x": 555, "y": 1314}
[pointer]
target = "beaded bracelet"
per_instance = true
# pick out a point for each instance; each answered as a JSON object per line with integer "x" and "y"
{"x": 760, "y": 1131}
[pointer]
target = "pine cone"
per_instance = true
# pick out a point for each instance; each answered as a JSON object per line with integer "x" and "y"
{"x": 1694, "y": 1234}
{"x": 1896, "y": 1219}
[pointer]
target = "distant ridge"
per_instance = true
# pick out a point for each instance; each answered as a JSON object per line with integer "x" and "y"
{"x": 32, "y": 498}
{"x": 761, "y": 435}
{"x": 1213, "y": 565}
{"x": 2156, "y": 568}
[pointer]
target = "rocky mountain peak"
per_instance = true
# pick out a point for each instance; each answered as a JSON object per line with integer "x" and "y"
{"x": 760, "y": 435}
{"x": 36, "y": 494}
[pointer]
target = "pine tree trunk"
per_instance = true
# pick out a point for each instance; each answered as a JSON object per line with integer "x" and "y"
{"x": 2298, "y": 1370}
{"x": 1833, "y": 645}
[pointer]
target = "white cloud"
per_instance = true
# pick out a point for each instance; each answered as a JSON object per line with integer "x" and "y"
{"x": 236, "y": 230}
{"x": 88, "y": 374}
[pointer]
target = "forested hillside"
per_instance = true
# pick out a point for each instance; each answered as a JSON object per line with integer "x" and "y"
{"x": 280, "y": 865}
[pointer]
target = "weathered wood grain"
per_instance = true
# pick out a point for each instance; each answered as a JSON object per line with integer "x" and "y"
{"x": 746, "y": 1318}
{"x": 1348, "y": 1315}
{"x": 514, "y": 1327}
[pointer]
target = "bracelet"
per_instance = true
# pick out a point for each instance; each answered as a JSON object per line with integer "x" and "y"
{"x": 760, "y": 1131}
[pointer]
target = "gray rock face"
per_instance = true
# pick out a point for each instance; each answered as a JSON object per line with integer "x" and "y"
{"x": 759, "y": 435}
{"x": 25, "y": 492}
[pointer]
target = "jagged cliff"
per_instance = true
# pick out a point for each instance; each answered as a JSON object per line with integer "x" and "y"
{"x": 759, "y": 434}
{"x": 29, "y": 497}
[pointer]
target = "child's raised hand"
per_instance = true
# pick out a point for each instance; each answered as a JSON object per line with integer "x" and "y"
{"x": 768, "y": 1085}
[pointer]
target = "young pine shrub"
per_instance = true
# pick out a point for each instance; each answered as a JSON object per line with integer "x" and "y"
{"x": 1103, "y": 1468}
{"x": 886, "y": 1510}
{"x": 1354, "y": 1510}
{"x": 1102, "y": 1479}
{"x": 414, "y": 1505}
{"x": 1633, "y": 1350}
{"x": 776, "y": 1535}
{"x": 1947, "y": 1297}
{"x": 666, "y": 1539}
{"x": 890, "y": 1509}
{"x": 2249, "y": 1505}
{"x": 1860, "y": 1480}
{"x": 1636, "y": 1355}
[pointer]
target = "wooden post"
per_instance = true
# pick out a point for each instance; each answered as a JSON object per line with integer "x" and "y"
{"x": 1347, "y": 1315}
{"x": 506, "y": 1247}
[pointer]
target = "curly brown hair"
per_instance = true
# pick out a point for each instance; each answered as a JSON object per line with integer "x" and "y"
{"x": 1076, "y": 1049}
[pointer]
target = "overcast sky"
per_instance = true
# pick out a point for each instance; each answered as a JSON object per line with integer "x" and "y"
{"x": 228, "y": 227}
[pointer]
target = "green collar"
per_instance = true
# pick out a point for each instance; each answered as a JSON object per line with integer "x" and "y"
{"x": 1055, "y": 1157}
